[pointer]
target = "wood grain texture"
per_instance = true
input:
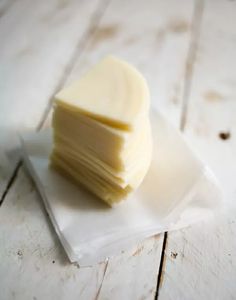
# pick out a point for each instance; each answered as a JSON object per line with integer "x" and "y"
{"x": 38, "y": 40}
{"x": 200, "y": 261}
{"x": 33, "y": 263}
{"x": 133, "y": 275}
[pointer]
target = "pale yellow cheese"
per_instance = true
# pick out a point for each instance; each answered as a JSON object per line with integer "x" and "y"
{"x": 112, "y": 92}
{"x": 64, "y": 147}
{"x": 102, "y": 132}
{"x": 117, "y": 148}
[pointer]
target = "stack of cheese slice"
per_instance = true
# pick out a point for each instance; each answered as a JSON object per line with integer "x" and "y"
{"x": 102, "y": 134}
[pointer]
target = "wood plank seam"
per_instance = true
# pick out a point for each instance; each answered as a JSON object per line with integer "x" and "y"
{"x": 11, "y": 181}
{"x": 191, "y": 57}
{"x": 161, "y": 266}
{"x": 81, "y": 45}
{"x": 103, "y": 276}
{"x": 189, "y": 69}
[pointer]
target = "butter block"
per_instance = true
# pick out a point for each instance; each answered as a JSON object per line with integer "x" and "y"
{"x": 102, "y": 132}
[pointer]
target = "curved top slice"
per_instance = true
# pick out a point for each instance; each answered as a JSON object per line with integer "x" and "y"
{"x": 112, "y": 92}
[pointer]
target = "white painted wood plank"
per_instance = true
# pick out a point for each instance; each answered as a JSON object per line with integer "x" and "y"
{"x": 38, "y": 39}
{"x": 200, "y": 261}
{"x": 33, "y": 264}
{"x": 133, "y": 275}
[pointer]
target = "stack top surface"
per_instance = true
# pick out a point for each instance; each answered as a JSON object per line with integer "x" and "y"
{"x": 112, "y": 92}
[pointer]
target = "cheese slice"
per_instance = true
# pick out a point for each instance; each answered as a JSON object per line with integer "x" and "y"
{"x": 68, "y": 150}
{"x": 102, "y": 132}
{"x": 112, "y": 92}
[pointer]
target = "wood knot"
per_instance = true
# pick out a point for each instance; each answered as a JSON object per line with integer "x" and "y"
{"x": 224, "y": 135}
{"x": 174, "y": 255}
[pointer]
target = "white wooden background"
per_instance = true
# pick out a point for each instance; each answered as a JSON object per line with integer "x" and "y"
{"x": 187, "y": 51}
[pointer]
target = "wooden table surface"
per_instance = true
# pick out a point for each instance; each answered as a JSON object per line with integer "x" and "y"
{"x": 187, "y": 51}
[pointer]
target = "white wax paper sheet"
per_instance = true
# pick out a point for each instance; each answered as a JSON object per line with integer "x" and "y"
{"x": 178, "y": 190}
